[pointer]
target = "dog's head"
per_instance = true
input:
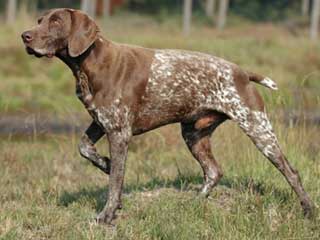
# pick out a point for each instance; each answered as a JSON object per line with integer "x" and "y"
{"x": 61, "y": 29}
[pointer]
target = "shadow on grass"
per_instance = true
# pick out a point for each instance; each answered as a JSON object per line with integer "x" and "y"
{"x": 181, "y": 183}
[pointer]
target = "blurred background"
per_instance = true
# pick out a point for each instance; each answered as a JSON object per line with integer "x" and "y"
{"x": 277, "y": 38}
{"x": 41, "y": 120}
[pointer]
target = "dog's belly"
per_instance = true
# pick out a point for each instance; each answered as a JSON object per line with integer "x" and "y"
{"x": 183, "y": 84}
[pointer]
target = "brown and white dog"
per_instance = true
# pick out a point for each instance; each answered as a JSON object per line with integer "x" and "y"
{"x": 129, "y": 90}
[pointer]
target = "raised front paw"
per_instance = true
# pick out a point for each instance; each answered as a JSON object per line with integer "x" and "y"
{"x": 309, "y": 209}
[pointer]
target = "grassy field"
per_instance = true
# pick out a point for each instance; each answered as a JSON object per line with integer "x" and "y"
{"x": 49, "y": 192}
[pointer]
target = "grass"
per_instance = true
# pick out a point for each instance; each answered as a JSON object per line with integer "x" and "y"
{"x": 49, "y": 192}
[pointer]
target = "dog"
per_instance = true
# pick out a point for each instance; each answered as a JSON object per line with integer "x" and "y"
{"x": 129, "y": 90}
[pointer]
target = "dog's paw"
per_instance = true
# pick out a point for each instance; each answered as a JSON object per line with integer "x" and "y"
{"x": 310, "y": 211}
{"x": 104, "y": 218}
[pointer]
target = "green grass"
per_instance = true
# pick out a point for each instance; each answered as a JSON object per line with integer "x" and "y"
{"x": 49, "y": 192}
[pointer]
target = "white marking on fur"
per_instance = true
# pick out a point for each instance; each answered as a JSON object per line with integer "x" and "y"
{"x": 41, "y": 51}
{"x": 88, "y": 98}
{"x": 269, "y": 83}
{"x": 115, "y": 116}
{"x": 85, "y": 149}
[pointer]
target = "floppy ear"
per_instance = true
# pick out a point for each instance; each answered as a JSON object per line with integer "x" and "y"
{"x": 84, "y": 32}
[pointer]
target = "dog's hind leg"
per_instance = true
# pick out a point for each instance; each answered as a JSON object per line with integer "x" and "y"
{"x": 257, "y": 126}
{"x": 198, "y": 142}
{"x": 88, "y": 150}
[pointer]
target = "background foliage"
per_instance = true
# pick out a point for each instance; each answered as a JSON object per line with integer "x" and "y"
{"x": 255, "y": 10}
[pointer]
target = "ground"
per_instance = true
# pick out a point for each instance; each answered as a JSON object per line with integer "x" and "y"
{"x": 49, "y": 192}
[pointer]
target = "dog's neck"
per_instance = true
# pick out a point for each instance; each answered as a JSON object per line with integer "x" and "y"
{"x": 83, "y": 90}
{"x": 81, "y": 64}
{"x": 74, "y": 63}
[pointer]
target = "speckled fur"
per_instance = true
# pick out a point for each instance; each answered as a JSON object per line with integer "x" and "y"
{"x": 191, "y": 82}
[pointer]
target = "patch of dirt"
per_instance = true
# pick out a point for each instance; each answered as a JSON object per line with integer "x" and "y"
{"x": 38, "y": 124}
{"x": 31, "y": 124}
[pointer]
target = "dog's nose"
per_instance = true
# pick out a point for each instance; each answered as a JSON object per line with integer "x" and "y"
{"x": 26, "y": 37}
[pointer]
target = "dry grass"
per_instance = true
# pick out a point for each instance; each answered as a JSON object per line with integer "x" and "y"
{"x": 49, "y": 192}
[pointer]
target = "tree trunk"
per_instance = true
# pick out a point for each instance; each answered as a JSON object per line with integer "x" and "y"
{"x": 85, "y": 5}
{"x": 210, "y": 7}
{"x": 106, "y": 8}
{"x": 187, "y": 15}
{"x": 89, "y": 7}
{"x": 222, "y": 15}
{"x": 305, "y": 7}
{"x": 11, "y": 11}
{"x": 315, "y": 15}
{"x": 92, "y": 12}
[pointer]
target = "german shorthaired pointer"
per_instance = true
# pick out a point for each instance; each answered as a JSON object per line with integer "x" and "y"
{"x": 129, "y": 90}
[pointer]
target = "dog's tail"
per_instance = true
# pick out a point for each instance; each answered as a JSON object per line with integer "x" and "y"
{"x": 264, "y": 81}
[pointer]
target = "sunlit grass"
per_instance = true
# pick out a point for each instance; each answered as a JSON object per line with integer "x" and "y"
{"x": 48, "y": 191}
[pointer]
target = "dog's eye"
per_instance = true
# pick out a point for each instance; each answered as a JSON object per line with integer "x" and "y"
{"x": 40, "y": 20}
{"x": 55, "y": 22}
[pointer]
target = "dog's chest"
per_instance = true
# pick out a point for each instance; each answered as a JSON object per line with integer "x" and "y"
{"x": 84, "y": 93}
{"x": 113, "y": 115}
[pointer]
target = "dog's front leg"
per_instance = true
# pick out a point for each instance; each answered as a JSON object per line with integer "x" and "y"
{"x": 88, "y": 150}
{"x": 118, "y": 143}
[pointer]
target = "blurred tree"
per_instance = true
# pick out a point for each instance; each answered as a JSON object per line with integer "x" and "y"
{"x": 222, "y": 15}
{"x": 315, "y": 15}
{"x": 89, "y": 6}
{"x": 106, "y": 8}
{"x": 11, "y": 10}
{"x": 155, "y": 6}
{"x": 265, "y": 10}
{"x": 47, "y": 4}
{"x": 85, "y": 5}
{"x": 187, "y": 15}
{"x": 305, "y": 7}
{"x": 210, "y": 7}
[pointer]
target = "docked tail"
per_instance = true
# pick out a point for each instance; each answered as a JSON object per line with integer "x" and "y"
{"x": 265, "y": 81}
